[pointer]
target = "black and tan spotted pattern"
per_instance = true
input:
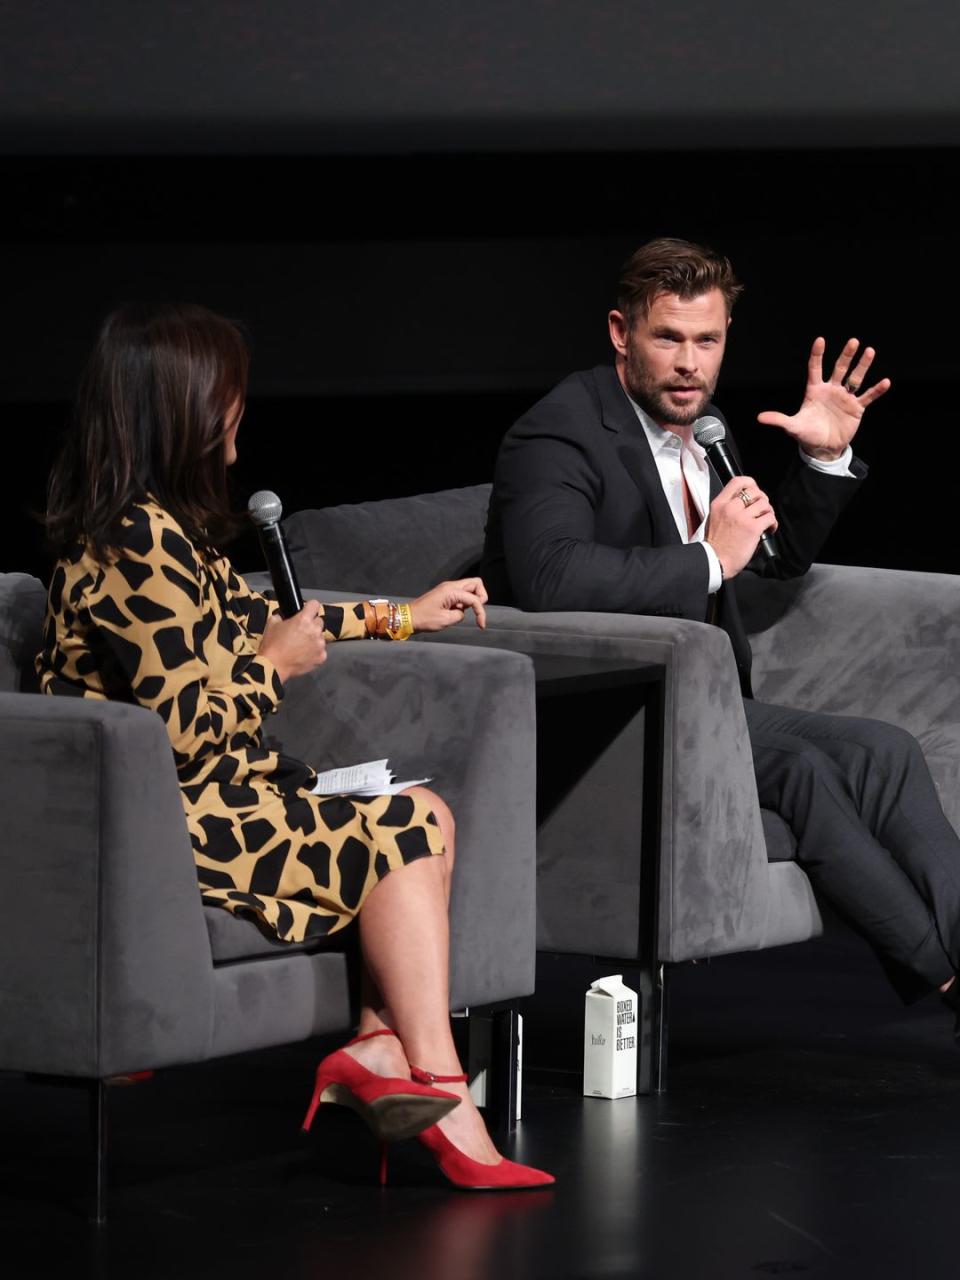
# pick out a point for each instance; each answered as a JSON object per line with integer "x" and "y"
{"x": 163, "y": 627}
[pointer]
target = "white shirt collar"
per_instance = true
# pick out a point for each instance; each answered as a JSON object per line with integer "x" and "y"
{"x": 661, "y": 438}
{"x": 676, "y": 464}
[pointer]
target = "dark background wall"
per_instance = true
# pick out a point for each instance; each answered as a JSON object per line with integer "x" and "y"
{"x": 420, "y": 217}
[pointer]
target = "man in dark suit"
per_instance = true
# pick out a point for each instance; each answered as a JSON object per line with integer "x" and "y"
{"x": 603, "y": 500}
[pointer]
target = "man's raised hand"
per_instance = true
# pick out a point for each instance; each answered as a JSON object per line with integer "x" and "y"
{"x": 828, "y": 419}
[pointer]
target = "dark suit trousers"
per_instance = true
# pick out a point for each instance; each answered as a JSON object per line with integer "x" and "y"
{"x": 870, "y": 833}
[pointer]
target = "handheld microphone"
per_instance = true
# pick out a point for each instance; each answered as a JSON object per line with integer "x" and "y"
{"x": 710, "y": 434}
{"x": 265, "y": 510}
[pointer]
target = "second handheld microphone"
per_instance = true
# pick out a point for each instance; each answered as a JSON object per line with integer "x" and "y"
{"x": 710, "y": 434}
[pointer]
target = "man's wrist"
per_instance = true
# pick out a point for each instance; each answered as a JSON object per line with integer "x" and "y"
{"x": 716, "y": 574}
{"x": 838, "y": 465}
{"x": 824, "y": 455}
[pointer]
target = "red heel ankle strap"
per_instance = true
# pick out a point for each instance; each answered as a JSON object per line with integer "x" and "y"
{"x": 368, "y": 1035}
{"x": 428, "y": 1077}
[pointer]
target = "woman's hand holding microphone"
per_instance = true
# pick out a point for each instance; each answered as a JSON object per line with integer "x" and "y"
{"x": 295, "y": 645}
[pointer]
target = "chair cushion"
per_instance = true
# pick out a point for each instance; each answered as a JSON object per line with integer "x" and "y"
{"x": 401, "y": 545}
{"x": 22, "y": 604}
{"x": 235, "y": 938}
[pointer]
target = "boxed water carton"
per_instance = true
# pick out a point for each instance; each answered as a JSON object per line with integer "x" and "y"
{"x": 610, "y": 1033}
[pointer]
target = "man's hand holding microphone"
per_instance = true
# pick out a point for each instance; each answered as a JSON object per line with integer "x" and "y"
{"x": 739, "y": 515}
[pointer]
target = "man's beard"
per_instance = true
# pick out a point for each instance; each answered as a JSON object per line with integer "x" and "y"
{"x": 653, "y": 397}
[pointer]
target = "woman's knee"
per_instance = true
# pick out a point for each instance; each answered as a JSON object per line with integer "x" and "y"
{"x": 443, "y": 815}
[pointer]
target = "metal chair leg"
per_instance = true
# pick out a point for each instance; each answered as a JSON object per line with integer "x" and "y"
{"x": 503, "y": 1088}
{"x": 659, "y": 1039}
{"x": 98, "y": 1168}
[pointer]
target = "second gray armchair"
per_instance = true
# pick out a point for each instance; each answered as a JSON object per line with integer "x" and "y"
{"x": 862, "y": 641}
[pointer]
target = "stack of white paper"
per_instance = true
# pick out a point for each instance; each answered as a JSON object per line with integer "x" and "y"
{"x": 374, "y": 778}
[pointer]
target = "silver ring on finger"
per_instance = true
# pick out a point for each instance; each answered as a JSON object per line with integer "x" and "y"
{"x": 852, "y": 387}
{"x": 745, "y": 497}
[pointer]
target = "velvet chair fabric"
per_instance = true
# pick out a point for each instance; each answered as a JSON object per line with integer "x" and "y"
{"x": 860, "y": 641}
{"x": 409, "y": 543}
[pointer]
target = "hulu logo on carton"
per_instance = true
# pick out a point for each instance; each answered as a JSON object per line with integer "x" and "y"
{"x": 610, "y": 1039}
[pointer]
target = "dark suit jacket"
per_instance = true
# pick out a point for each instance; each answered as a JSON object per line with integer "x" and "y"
{"x": 578, "y": 518}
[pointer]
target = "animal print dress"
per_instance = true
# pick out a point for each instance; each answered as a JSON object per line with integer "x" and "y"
{"x": 164, "y": 627}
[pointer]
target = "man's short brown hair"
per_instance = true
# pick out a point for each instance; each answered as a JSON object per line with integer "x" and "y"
{"x": 673, "y": 266}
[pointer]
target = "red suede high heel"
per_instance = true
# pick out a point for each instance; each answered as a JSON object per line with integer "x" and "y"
{"x": 393, "y": 1108}
{"x": 461, "y": 1169}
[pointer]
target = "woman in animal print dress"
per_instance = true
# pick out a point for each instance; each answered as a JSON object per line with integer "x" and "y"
{"x": 143, "y": 607}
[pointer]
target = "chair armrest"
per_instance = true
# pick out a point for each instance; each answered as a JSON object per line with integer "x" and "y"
{"x": 714, "y": 877}
{"x": 104, "y": 959}
{"x": 466, "y": 719}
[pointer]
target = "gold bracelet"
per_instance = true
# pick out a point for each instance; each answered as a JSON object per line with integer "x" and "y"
{"x": 390, "y": 621}
{"x": 406, "y": 622}
{"x": 401, "y": 622}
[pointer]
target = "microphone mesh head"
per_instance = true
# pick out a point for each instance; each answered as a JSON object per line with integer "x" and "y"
{"x": 264, "y": 507}
{"x": 707, "y": 431}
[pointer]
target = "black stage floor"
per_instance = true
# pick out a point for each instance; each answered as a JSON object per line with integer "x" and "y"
{"x": 812, "y": 1127}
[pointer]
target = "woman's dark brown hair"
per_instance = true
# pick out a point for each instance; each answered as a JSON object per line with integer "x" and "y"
{"x": 673, "y": 266}
{"x": 150, "y": 418}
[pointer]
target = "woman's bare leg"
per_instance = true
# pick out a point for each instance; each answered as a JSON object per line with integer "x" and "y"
{"x": 374, "y": 1016}
{"x": 404, "y": 935}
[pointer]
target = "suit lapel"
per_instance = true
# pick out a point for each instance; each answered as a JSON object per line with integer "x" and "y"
{"x": 633, "y": 449}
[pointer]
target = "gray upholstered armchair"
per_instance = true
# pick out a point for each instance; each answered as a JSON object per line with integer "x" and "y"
{"x": 109, "y": 963}
{"x": 862, "y": 641}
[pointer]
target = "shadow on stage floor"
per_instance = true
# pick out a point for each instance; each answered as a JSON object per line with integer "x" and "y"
{"x": 811, "y": 1127}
